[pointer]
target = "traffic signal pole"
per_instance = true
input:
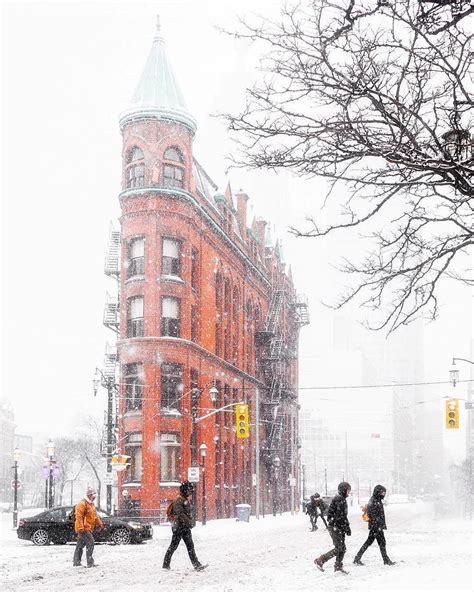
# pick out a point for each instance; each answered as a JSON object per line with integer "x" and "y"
{"x": 257, "y": 453}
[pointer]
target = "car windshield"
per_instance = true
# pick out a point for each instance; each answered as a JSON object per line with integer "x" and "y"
{"x": 102, "y": 514}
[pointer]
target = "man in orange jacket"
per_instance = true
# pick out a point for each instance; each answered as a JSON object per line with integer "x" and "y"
{"x": 86, "y": 520}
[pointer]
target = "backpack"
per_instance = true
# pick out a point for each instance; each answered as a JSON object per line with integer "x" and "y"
{"x": 365, "y": 513}
{"x": 72, "y": 515}
{"x": 170, "y": 513}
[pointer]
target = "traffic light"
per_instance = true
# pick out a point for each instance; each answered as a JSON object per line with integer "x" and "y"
{"x": 452, "y": 414}
{"x": 242, "y": 420}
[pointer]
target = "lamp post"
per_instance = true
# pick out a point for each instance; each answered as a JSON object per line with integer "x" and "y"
{"x": 16, "y": 458}
{"x": 203, "y": 450}
{"x": 107, "y": 382}
{"x": 454, "y": 377}
{"x": 326, "y": 481}
{"x": 50, "y": 503}
{"x": 276, "y": 467}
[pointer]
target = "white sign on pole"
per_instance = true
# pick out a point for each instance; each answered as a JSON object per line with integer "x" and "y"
{"x": 193, "y": 474}
{"x": 292, "y": 481}
{"x": 254, "y": 480}
{"x": 109, "y": 479}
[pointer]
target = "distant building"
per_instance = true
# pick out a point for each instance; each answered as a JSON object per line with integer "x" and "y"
{"x": 205, "y": 302}
{"x": 7, "y": 444}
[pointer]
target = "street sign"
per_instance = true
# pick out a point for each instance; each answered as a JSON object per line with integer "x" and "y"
{"x": 193, "y": 474}
{"x": 254, "y": 480}
{"x": 292, "y": 481}
{"x": 469, "y": 405}
{"x": 18, "y": 484}
{"x": 109, "y": 479}
{"x": 375, "y": 435}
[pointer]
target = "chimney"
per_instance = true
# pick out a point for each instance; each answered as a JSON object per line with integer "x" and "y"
{"x": 242, "y": 199}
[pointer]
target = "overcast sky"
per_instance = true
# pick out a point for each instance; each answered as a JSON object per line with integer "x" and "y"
{"x": 69, "y": 69}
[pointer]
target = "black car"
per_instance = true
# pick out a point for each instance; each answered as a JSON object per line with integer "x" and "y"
{"x": 55, "y": 526}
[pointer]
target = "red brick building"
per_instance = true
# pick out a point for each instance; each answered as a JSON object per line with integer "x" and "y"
{"x": 205, "y": 301}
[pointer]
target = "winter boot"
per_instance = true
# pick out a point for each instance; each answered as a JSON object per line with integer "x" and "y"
{"x": 389, "y": 562}
{"x": 357, "y": 561}
{"x": 340, "y": 568}
{"x": 319, "y": 564}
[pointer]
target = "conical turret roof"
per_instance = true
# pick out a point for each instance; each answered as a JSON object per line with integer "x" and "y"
{"x": 158, "y": 94}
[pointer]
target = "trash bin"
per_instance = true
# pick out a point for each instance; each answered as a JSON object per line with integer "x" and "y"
{"x": 243, "y": 512}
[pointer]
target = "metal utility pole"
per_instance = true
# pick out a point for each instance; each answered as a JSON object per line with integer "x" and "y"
{"x": 107, "y": 382}
{"x": 326, "y": 481}
{"x": 257, "y": 453}
{"x": 292, "y": 453}
{"x": 110, "y": 394}
{"x": 16, "y": 457}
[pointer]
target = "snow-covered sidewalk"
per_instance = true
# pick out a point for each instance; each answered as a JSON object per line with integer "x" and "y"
{"x": 273, "y": 553}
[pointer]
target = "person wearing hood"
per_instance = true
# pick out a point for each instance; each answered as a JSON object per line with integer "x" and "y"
{"x": 86, "y": 519}
{"x": 312, "y": 508}
{"x": 339, "y": 527}
{"x": 377, "y": 525}
{"x": 182, "y": 522}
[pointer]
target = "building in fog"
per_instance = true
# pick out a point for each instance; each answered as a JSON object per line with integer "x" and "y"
{"x": 7, "y": 430}
{"x": 205, "y": 302}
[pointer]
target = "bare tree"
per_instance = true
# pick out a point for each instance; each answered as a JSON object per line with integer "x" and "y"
{"x": 373, "y": 96}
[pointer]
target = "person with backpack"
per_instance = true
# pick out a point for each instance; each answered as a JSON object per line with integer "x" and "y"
{"x": 339, "y": 527}
{"x": 316, "y": 503}
{"x": 181, "y": 515}
{"x": 376, "y": 519}
{"x": 85, "y": 520}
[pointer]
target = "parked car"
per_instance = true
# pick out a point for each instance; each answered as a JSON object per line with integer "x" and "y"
{"x": 55, "y": 526}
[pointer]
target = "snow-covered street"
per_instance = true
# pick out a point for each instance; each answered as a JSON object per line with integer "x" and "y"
{"x": 269, "y": 554}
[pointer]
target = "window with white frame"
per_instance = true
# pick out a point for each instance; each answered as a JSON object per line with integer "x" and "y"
{"x": 135, "y": 168}
{"x": 133, "y": 386}
{"x": 173, "y": 168}
{"x": 135, "y": 317}
{"x": 136, "y": 257}
{"x": 171, "y": 386}
{"x": 170, "y": 321}
{"x": 133, "y": 449}
{"x": 171, "y": 260}
{"x": 170, "y": 449}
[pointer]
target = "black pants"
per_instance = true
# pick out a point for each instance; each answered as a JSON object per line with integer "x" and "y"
{"x": 339, "y": 540}
{"x": 84, "y": 539}
{"x": 374, "y": 535}
{"x": 178, "y": 534}
{"x": 313, "y": 518}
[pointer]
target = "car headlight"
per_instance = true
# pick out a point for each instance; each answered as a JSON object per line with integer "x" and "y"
{"x": 135, "y": 525}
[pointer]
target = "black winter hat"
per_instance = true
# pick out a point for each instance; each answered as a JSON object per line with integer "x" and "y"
{"x": 186, "y": 488}
{"x": 378, "y": 490}
{"x": 317, "y": 494}
{"x": 344, "y": 488}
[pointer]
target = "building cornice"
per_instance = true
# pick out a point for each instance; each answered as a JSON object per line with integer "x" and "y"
{"x": 180, "y": 193}
{"x": 199, "y": 349}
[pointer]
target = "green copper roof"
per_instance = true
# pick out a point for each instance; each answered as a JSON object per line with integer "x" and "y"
{"x": 158, "y": 94}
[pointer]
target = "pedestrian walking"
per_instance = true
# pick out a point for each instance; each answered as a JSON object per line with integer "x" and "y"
{"x": 86, "y": 519}
{"x": 339, "y": 527}
{"x": 182, "y": 519}
{"x": 376, "y": 525}
{"x": 316, "y": 509}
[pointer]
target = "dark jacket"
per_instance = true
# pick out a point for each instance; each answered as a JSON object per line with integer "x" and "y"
{"x": 183, "y": 511}
{"x": 337, "y": 513}
{"x": 375, "y": 509}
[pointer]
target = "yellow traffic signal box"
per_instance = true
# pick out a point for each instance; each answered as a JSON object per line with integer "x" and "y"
{"x": 242, "y": 420}
{"x": 452, "y": 414}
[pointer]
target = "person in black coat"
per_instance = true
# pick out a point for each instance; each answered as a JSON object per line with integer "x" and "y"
{"x": 338, "y": 526}
{"x": 184, "y": 521}
{"x": 312, "y": 508}
{"x": 377, "y": 525}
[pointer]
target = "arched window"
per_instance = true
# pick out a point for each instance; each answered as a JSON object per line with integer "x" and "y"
{"x": 135, "y": 168}
{"x": 173, "y": 168}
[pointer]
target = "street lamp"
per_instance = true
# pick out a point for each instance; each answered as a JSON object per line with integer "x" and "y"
{"x": 50, "y": 500}
{"x": 16, "y": 458}
{"x": 276, "y": 466}
{"x": 213, "y": 392}
{"x": 203, "y": 450}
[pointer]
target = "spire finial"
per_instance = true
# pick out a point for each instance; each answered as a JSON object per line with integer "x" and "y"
{"x": 158, "y": 36}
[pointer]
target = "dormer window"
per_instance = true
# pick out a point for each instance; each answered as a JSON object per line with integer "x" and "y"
{"x": 135, "y": 168}
{"x": 173, "y": 168}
